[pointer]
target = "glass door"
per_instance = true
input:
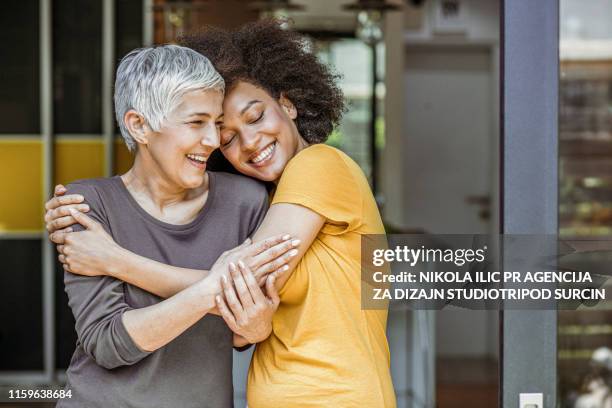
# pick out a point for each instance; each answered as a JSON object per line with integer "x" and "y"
{"x": 585, "y": 191}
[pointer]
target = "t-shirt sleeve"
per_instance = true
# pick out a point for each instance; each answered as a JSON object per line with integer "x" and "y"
{"x": 322, "y": 179}
{"x": 98, "y": 302}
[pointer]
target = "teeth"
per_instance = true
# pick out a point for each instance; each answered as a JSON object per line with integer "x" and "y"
{"x": 264, "y": 154}
{"x": 197, "y": 158}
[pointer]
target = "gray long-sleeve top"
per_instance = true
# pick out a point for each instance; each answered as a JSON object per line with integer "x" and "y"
{"x": 194, "y": 370}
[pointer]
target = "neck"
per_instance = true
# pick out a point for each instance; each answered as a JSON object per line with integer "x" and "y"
{"x": 301, "y": 145}
{"x": 145, "y": 180}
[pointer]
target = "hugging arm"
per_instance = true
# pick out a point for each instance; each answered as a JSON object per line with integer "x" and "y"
{"x": 112, "y": 332}
{"x": 245, "y": 307}
{"x": 96, "y": 254}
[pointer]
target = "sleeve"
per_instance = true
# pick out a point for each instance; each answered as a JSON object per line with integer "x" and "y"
{"x": 324, "y": 180}
{"x": 98, "y": 303}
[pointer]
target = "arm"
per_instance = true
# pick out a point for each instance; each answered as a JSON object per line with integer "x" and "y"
{"x": 111, "y": 331}
{"x": 298, "y": 221}
{"x": 243, "y": 306}
{"x": 96, "y": 254}
{"x": 114, "y": 334}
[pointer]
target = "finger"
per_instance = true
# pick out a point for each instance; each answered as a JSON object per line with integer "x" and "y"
{"x": 60, "y": 223}
{"x": 261, "y": 246}
{"x": 271, "y": 290}
{"x": 60, "y": 248}
{"x": 272, "y": 264}
{"x": 232, "y": 299}
{"x": 84, "y": 220}
{"x": 261, "y": 279}
{"x": 241, "y": 287}
{"x": 61, "y": 258}
{"x": 64, "y": 210}
{"x": 59, "y": 190}
{"x": 276, "y": 251}
{"x": 226, "y": 313}
{"x": 66, "y": 268}
{"x": 58, "y": 237}
{"x": 64, "y": 200}
{"x": 251, "y": 283}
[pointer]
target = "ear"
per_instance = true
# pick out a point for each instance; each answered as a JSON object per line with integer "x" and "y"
{"x": 288, "y": 106}
{"x": 137, "y": 126}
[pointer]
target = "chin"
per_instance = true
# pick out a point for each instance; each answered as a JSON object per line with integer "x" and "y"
{"x": 193, "y": 182}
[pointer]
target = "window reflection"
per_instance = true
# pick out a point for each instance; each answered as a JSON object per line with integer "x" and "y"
{"x": 585, "y": 191}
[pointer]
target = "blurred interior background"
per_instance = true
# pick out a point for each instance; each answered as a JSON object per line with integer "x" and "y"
{"x": 421, "y": 78}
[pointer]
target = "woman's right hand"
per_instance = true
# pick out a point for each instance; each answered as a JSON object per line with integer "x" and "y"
{"x": 263, "y": 258}
{"x": 58, "y": 218}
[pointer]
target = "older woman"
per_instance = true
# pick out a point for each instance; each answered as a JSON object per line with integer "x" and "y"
{"x": 134, "y": 349}
{"x": 281, "y": 104}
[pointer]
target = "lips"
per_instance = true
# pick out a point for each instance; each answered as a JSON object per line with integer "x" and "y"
{"x": 263, "y": 156}
{"x": 197, "y": 160}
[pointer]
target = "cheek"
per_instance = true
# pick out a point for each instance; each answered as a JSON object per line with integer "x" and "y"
{"x": 232, "y": 154}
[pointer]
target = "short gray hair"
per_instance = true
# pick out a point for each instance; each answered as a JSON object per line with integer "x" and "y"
{"x": 153, "y": 80}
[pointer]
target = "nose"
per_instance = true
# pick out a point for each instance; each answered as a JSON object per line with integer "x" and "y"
{"x": 250, "y": 141}
{"x": 211, "y": 139}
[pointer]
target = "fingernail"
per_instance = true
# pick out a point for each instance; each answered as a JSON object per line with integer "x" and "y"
{"x": 286, "y": 237}
{"x": 84, "y": 207}
{"x": 272, "y": 279}
{"x": 80, "y": 197}
{"x": 224, "y": 279}
{"x": 218, "y": 299}
{"x": 232, "y": 265}
{"x": 293, "y": 252}
{"x": 286, "y": 267}
{"x": 295, "y": 242}
{"x": 242, "y": 265}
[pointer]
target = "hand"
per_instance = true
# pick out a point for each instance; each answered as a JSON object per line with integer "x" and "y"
{"x": 91, "y": 252}
{"x": 244, "y": 306}
{"x": 271, "y": 255}
{"x": 58, "y": 218}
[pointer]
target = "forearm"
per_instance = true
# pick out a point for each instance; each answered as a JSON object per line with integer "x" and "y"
{"x": 154, "y": 277}
{"x": 155, "y": 326}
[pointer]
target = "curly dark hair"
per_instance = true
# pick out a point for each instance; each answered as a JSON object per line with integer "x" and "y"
{"x": 277, "y": 60}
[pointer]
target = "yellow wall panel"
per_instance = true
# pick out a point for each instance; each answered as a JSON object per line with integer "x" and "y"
{"x": 78, "y": 159}
{"x": 21, "y": 203}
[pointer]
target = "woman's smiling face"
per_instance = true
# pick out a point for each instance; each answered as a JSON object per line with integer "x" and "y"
{"x": 258, "y": 135}
{"x": 186, "y": 139}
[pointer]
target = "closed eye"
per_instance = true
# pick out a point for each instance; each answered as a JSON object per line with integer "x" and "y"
{"x": 258, "y": 119}
{"x": 228, "y": 141}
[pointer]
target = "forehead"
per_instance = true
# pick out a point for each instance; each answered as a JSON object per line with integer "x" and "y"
{"x": 241, "y": 94}
{"x": 207, "y": 101}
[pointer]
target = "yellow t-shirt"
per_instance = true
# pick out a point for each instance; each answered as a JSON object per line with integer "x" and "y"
{"x": 324, "y": 350}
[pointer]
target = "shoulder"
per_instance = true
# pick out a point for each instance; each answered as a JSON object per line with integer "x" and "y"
{"x": 239, "y": 188}
{"x": 238, "y": 183}
{"x": 92, "y": 189}
{"x": 321, "y": 154}
{"x": 98, "y": 193}
{"x": 321, "y": 159}
{"x": 321, "y": 163}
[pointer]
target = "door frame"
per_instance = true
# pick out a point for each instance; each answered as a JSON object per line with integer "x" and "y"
{"x": 529, "y": 62}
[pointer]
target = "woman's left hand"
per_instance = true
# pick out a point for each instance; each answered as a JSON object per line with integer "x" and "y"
{"x": 91, "y": 252}
{"x": 244, "y": 306}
